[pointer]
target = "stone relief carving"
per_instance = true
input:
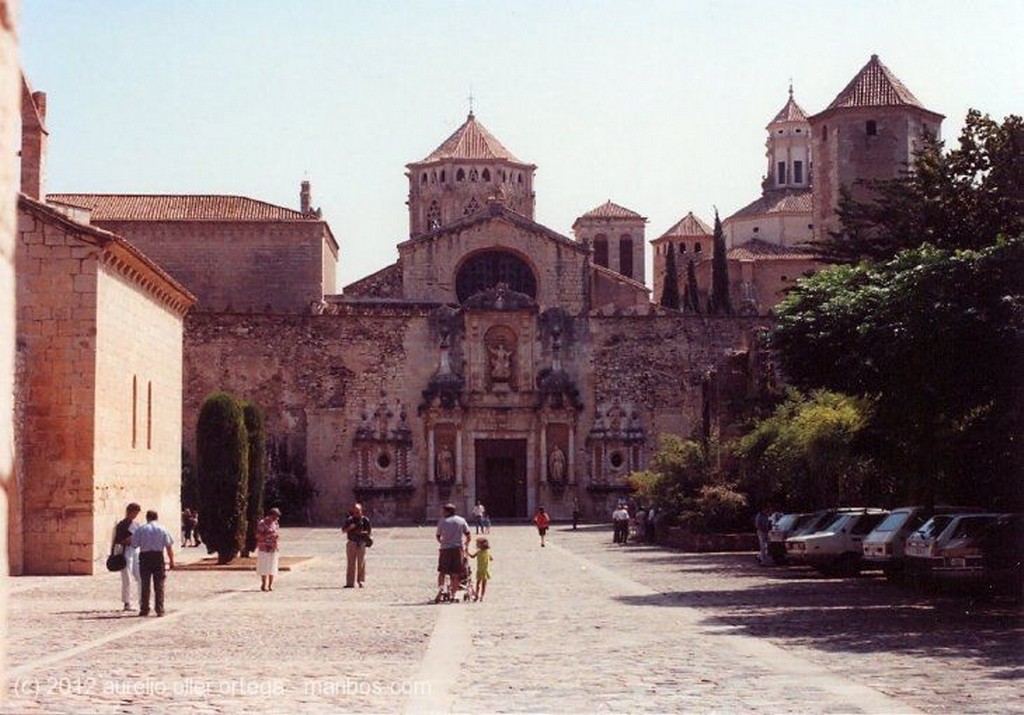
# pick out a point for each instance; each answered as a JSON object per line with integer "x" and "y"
{"x": 382, "y": 444}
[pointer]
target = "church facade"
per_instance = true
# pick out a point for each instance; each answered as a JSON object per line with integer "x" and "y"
{"x": 495, "y": 360}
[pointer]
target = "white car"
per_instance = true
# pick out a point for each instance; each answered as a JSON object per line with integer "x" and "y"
{"x": 884, "y": 546}
{"x": 836, "y": 549}
{"x": 923, "y": 548}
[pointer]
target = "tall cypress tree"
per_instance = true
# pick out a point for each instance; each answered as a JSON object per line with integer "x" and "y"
{"x": 691, "y": 298}
{"x": 257, "y": 470}
{"x": 222, "y": 447}
{"x": 670, "y": 290}
{"x": 720, "y": 301}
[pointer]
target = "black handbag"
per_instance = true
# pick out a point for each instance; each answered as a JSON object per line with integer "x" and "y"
{"x": 116, "y": 562}
{"x": 367, "y": 541}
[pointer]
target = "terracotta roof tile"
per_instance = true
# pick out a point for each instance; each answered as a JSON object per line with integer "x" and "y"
{"x": 471, "y": 141}
{"x": 780, "y": 201}
{"x": 874, "y": 86}
{"x": 610, "y": 210}
{"x": 756, "y": 249}
{"x": 792, "y": 112}
{"x": 179, "y": 207}
{"x": 688, "y": 225}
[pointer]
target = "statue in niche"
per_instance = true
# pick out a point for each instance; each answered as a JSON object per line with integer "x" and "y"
{"x": 556, "y": 465}
{"x": 501, "y": 363}
{"x": 445, "y": 465}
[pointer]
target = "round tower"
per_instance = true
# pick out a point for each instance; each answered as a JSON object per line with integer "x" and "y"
{"x": 469, "y": 170}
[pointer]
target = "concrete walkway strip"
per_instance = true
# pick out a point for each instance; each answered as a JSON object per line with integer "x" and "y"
{"x": 138, "y": 624}
{"x": 442, "y": 663}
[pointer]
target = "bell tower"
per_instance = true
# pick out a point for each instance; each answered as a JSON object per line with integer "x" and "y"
{"x": 789, "y": 148}
{"x": 462, "y": 176}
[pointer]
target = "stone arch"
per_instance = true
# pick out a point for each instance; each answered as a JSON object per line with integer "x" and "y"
{"x": 486, "y": 269}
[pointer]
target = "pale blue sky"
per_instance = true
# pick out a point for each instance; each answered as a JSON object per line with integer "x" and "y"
{"x": 658, "y": 106}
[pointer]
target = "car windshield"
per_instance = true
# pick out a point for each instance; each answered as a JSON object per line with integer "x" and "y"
{"x": 933, "y": 527}
{"x": 969, "y": 526}
{"x": 836, "y": 522}
{"x": 894, "y": 521}
{"x": 786, "y": 522}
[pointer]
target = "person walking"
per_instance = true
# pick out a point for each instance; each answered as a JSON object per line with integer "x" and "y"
{"x": 542, "y": 521}
{"x": 620, "y": 525}
{"x": 268, "y": 533}
{"x": 357, "y": 529}
{"x": 575, "y": 513}
{"x": 152, "y": 540}
{"x": 479, "y": 512}
{"x": 762, "y": 524}
{"x": 483, "y": 565}
{"x": 123, "y": 545}
{"x": 452, "y": 536}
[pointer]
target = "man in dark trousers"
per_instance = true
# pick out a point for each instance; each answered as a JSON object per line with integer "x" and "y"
{"x": 152, "y": 540}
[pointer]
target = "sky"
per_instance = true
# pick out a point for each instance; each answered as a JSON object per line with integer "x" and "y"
{"x": 658, "y": 106}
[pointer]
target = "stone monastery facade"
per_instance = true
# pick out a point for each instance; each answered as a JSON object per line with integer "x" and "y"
{"x": 496, "y": 359}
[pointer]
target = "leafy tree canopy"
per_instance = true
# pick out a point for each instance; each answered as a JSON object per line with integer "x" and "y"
{"x": 964, "y": 198}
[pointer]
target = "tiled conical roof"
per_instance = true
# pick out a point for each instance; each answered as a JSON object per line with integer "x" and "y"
{"x": 792, "y": 112}
{"x": 471, "y": 141}
{"x": 610, "y": 210}
{"x": 688, "y": 225}
{"x": 874, "y": 86}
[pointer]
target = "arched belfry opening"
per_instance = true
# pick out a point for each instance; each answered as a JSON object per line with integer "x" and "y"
{"x": 488, "y": 269}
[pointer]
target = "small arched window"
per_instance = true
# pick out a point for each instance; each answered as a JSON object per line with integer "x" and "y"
{"x": 520, "y": 178}
{"x": 423, "y": 179}
{"x": 442, "y": 176}
{"x": 697, "y": 248}
{"x": 433, "y": 216}
{"x": 872, "y": 128}
{"x": 824, "y": 131}
{"x": 486, "y": 175}
{"x": 460, "y": 175}
{"x": 473, "y": 175}
{"x": 601, "y": 250}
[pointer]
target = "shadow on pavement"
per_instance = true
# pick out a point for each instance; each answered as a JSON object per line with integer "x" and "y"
{"x": 861, "y": 615}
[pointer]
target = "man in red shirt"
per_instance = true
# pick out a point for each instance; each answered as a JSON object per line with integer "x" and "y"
{"x": 542, "y": 520}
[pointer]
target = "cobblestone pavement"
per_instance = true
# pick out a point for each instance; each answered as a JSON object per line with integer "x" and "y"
{"x": 579, "y": 626}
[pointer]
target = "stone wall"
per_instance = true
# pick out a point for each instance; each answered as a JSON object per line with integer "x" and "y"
{"x": 273, "y": 266}
{"x": 57, "y": 326}
{"x": 137, "y": 453}
{"x": 324, "y": 379}
{"x": 9, "y": 111}
{"x": 96, "y": 325}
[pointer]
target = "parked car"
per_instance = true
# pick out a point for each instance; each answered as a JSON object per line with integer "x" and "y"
{"x": 786, "y": 526}
{"x": 836, "y": 548}
{"x": 921, "y": 552}
{"x": 989, "y": 558}
{"x": 884, "y": 546}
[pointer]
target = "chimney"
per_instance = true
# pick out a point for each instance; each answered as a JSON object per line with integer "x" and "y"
{"x": 305, "y": 198}
{"x": 33, "y": 142}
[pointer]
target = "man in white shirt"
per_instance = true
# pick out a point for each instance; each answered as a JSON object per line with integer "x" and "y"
{"x": 478, "y": 516}
{"x": 620, "y": 525}
{"x": 453, "y": 536}
{"x": 152, "y": 540}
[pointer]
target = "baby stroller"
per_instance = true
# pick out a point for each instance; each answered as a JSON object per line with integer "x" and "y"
{"x": 466, "y": 592}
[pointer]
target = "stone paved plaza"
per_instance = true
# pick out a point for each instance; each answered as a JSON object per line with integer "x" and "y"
{"x": 579, "y": 626}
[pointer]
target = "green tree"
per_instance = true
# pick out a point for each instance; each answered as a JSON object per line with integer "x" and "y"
{"x": 670, "y": 288}
{"x": 223, "y": 466}
{"x": 964, "y": 198}
{"x": 721, "y": 302}
{"x": 685, "y": 487}
{"x": 691, "y": 297}
{"x": 805, "y": 454}
{"x": 934, "y": 338}
{"x": 257, "y": 438}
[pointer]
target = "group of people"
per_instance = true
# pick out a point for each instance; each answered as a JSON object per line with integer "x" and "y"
{"x": 190, "y": 527}
{"x": 642, "y": 523}
{"x": 143, "y": 547}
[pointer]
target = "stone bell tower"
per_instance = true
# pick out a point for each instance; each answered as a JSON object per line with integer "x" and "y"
{"x": 469, "y": 170}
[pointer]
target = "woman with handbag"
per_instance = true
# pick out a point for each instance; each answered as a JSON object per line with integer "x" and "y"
{"x": 123, "y": 546}
{"x": 268, "y": 531}
{"x": 357, "y": 529}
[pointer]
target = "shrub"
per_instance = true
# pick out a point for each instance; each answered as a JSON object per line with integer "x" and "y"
{"x": 223, "y": 475}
